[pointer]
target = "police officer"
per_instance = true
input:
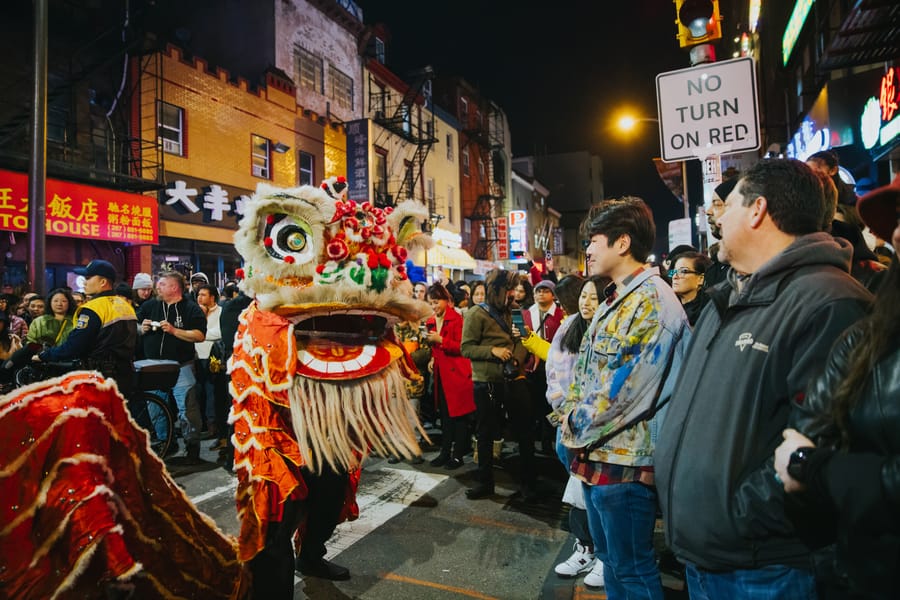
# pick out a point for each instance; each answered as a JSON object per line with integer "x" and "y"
{"x": 105, "y": 331}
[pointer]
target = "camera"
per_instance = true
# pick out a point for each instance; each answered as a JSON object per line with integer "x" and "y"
{"x": 154, "y": 325}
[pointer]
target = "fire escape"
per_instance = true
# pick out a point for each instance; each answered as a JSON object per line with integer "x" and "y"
{"x": 408, "y": 116}
{"x": 91, "y": 135}
{"x": 489, "y": 207}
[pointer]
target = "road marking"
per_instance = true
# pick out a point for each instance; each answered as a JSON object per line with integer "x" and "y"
{"x": 582, "y": 593}
{"x": 544, "y": 533}
{"x": 215, "y": 492}
{"x": 383, "y": 494}
{"x": 438, "y": 586}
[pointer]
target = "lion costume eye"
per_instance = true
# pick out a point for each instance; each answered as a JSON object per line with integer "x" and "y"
{"x": 289, "y": 236}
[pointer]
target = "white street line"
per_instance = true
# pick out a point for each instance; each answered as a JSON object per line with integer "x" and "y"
{"x": 215, "y": 492}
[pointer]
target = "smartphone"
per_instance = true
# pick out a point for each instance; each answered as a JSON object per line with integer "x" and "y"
{"x": 518, "y": 321}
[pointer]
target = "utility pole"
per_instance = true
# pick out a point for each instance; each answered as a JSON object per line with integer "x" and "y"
{"x": 37, "y": 168}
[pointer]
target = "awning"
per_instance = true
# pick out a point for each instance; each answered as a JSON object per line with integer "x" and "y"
{"x": 451, "y": 258}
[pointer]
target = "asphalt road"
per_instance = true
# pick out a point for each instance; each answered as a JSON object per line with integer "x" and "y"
{"x": 418, "y": 536}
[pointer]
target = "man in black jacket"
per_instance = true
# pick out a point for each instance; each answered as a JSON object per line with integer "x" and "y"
{"x": 771, "y": 324}
{"x": 170, "y": 326}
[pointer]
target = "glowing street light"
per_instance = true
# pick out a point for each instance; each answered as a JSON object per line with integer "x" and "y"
{"x": 627, "y": 123}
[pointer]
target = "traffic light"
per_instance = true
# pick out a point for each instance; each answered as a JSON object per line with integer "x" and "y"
{"x": 698, "y": 22}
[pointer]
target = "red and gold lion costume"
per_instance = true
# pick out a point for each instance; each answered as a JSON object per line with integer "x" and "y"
{"x": 316, "y": 376}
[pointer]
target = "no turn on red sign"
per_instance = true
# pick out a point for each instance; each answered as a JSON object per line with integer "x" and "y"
{"x": 709, "y": 109}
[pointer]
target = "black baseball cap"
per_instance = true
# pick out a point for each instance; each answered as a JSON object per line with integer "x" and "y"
{"x": 98, "y": 267}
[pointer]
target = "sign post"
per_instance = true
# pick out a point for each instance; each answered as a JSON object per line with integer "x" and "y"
{"x": 706, "y": 111}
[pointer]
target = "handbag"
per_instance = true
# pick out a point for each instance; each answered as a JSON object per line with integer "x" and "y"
{"x": 217, "y": 357}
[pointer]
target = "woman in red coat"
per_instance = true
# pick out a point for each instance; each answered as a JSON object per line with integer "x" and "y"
{"x": 453, "y": 389}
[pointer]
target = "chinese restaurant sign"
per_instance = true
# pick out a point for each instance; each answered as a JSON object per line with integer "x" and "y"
{"x": 81, "y": 211}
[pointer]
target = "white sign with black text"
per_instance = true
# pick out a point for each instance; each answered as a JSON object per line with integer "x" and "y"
{"x": 708, "y": 109}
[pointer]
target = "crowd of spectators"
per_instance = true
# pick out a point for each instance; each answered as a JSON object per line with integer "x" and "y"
{"x": 709, "y": 390}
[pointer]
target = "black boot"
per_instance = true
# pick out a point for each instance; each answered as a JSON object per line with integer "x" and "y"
{"x": 482, "y": 490}
{"x": 322, "y": 568}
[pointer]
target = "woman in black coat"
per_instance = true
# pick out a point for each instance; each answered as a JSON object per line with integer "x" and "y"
{"x": 842, "y": 473}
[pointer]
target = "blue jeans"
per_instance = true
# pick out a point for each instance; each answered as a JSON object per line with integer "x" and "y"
{"x": 621, "y": 517}
{"x": 188, "y": 410}
{"x": 773, "y": 581}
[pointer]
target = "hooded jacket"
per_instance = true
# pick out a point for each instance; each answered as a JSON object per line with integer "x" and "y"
{"x": 751, "y": 356}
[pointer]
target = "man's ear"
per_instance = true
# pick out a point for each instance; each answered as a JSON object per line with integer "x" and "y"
{"x": 758, "y": 211}
{"x": 623, "y": 244}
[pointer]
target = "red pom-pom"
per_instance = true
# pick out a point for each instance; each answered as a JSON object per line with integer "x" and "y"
{"x": 373, "y": 261}
{"x": 400, "y": 253}
{"x": 385, "y": 260}
{"x": 366, "y": 233}
{"x": 337, "y": 249}
{"x": 270, "y": 219}
{"x": 352, "y": 223}
{"x": 268, "y": 242}
{"x": 289, "y": 260}
{"x": 324, "y": 186}
{"x": 320, "y": 269}
{"x": 377, "y": 230}
{"x": 367, "y": 206}
{"x": 341, "y": 179}
{"x": 239, "y": 273}
{"x": 388, "y": 210}
{"x": 401, "y": 269}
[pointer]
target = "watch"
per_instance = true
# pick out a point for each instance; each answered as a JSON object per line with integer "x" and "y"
{"x": 798, "y": 463}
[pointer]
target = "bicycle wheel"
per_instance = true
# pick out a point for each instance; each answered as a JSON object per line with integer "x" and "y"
{"x": 154, "y": 416}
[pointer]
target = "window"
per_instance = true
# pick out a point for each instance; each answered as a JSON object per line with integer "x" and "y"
{"x": 170, "y": 128}
{"x": 309, "y": 70}
{"x": 306, "y": 164}
{"x": 451, "y": 216}
{"x": 379, "y": 50}
{"x": 340, "y": 87}
{"x": 467, "y": 232}
{"x": 409, "y": 179}
{"x": 429, "y": 194}
{"x": 260, "y": 156}
{"x": 449, "y": 146}
{"x": 463, "y": 110}
{"x": 465, "y": 162}
{"x": 480, "y": 171}
{"x": 478, "y": 120}
{"x": 381, "y": 177}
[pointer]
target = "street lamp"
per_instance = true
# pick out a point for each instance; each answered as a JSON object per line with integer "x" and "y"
{"x": 626, "y": 123}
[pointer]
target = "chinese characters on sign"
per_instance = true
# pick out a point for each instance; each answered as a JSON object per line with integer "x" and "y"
{"x": 212, "y": 200}
{"x": 879, "y": 124}
{"x": 502, "y": 239}
{"x": 83, "y": 211}
{"x": 358, "y": 160}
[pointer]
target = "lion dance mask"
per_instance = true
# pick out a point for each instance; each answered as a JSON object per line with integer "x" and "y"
{"x": 317, "y": 378}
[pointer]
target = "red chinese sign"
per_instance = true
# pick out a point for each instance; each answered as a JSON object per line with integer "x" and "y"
{"x": 890, "y": 93}
{"x": 81, "y": 211}
{"x": 502, "y": 239}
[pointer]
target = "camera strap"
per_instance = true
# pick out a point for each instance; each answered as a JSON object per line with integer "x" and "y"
{"x": 490, "y": 310}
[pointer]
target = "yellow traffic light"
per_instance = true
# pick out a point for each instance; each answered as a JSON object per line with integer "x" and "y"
{"x": 698, "y": 21}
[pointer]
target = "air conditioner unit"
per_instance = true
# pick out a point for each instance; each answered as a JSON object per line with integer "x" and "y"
{"x": 260, "y": 171}
{"x": 171, "y": 146}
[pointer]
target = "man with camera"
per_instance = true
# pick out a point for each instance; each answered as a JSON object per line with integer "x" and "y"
{"x": 170, "y": 326}
{"x": 499, "y": 380}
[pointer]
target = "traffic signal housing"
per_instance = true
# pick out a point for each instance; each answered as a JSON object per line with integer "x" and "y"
{"x": 698, "y": 21}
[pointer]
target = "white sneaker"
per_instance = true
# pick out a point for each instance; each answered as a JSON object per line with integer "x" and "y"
{"x": 594, "y": 579}
{"x": 581, "y": 560}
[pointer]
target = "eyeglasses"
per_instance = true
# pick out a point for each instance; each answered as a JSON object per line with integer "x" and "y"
{"x": 682, "y": 272}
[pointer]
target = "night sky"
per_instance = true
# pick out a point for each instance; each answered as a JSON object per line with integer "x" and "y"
{"x": 561, "y": 71}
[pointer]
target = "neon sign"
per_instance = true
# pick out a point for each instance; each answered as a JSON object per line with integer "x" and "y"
{"x": 879, "y": 123}
{"x": 794, "y": 27}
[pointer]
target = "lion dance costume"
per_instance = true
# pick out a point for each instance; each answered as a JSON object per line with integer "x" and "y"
{"x": 318, "y": 382}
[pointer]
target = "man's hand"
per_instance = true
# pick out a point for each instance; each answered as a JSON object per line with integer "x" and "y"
{"x": 146, "y": 325}
{"x": 502, "y": 353}
{"x": 167, "y": 327}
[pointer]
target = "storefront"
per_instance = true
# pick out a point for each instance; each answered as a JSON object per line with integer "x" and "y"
{"x": 197, "y": 224}
{"x": 83, "y": 222}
